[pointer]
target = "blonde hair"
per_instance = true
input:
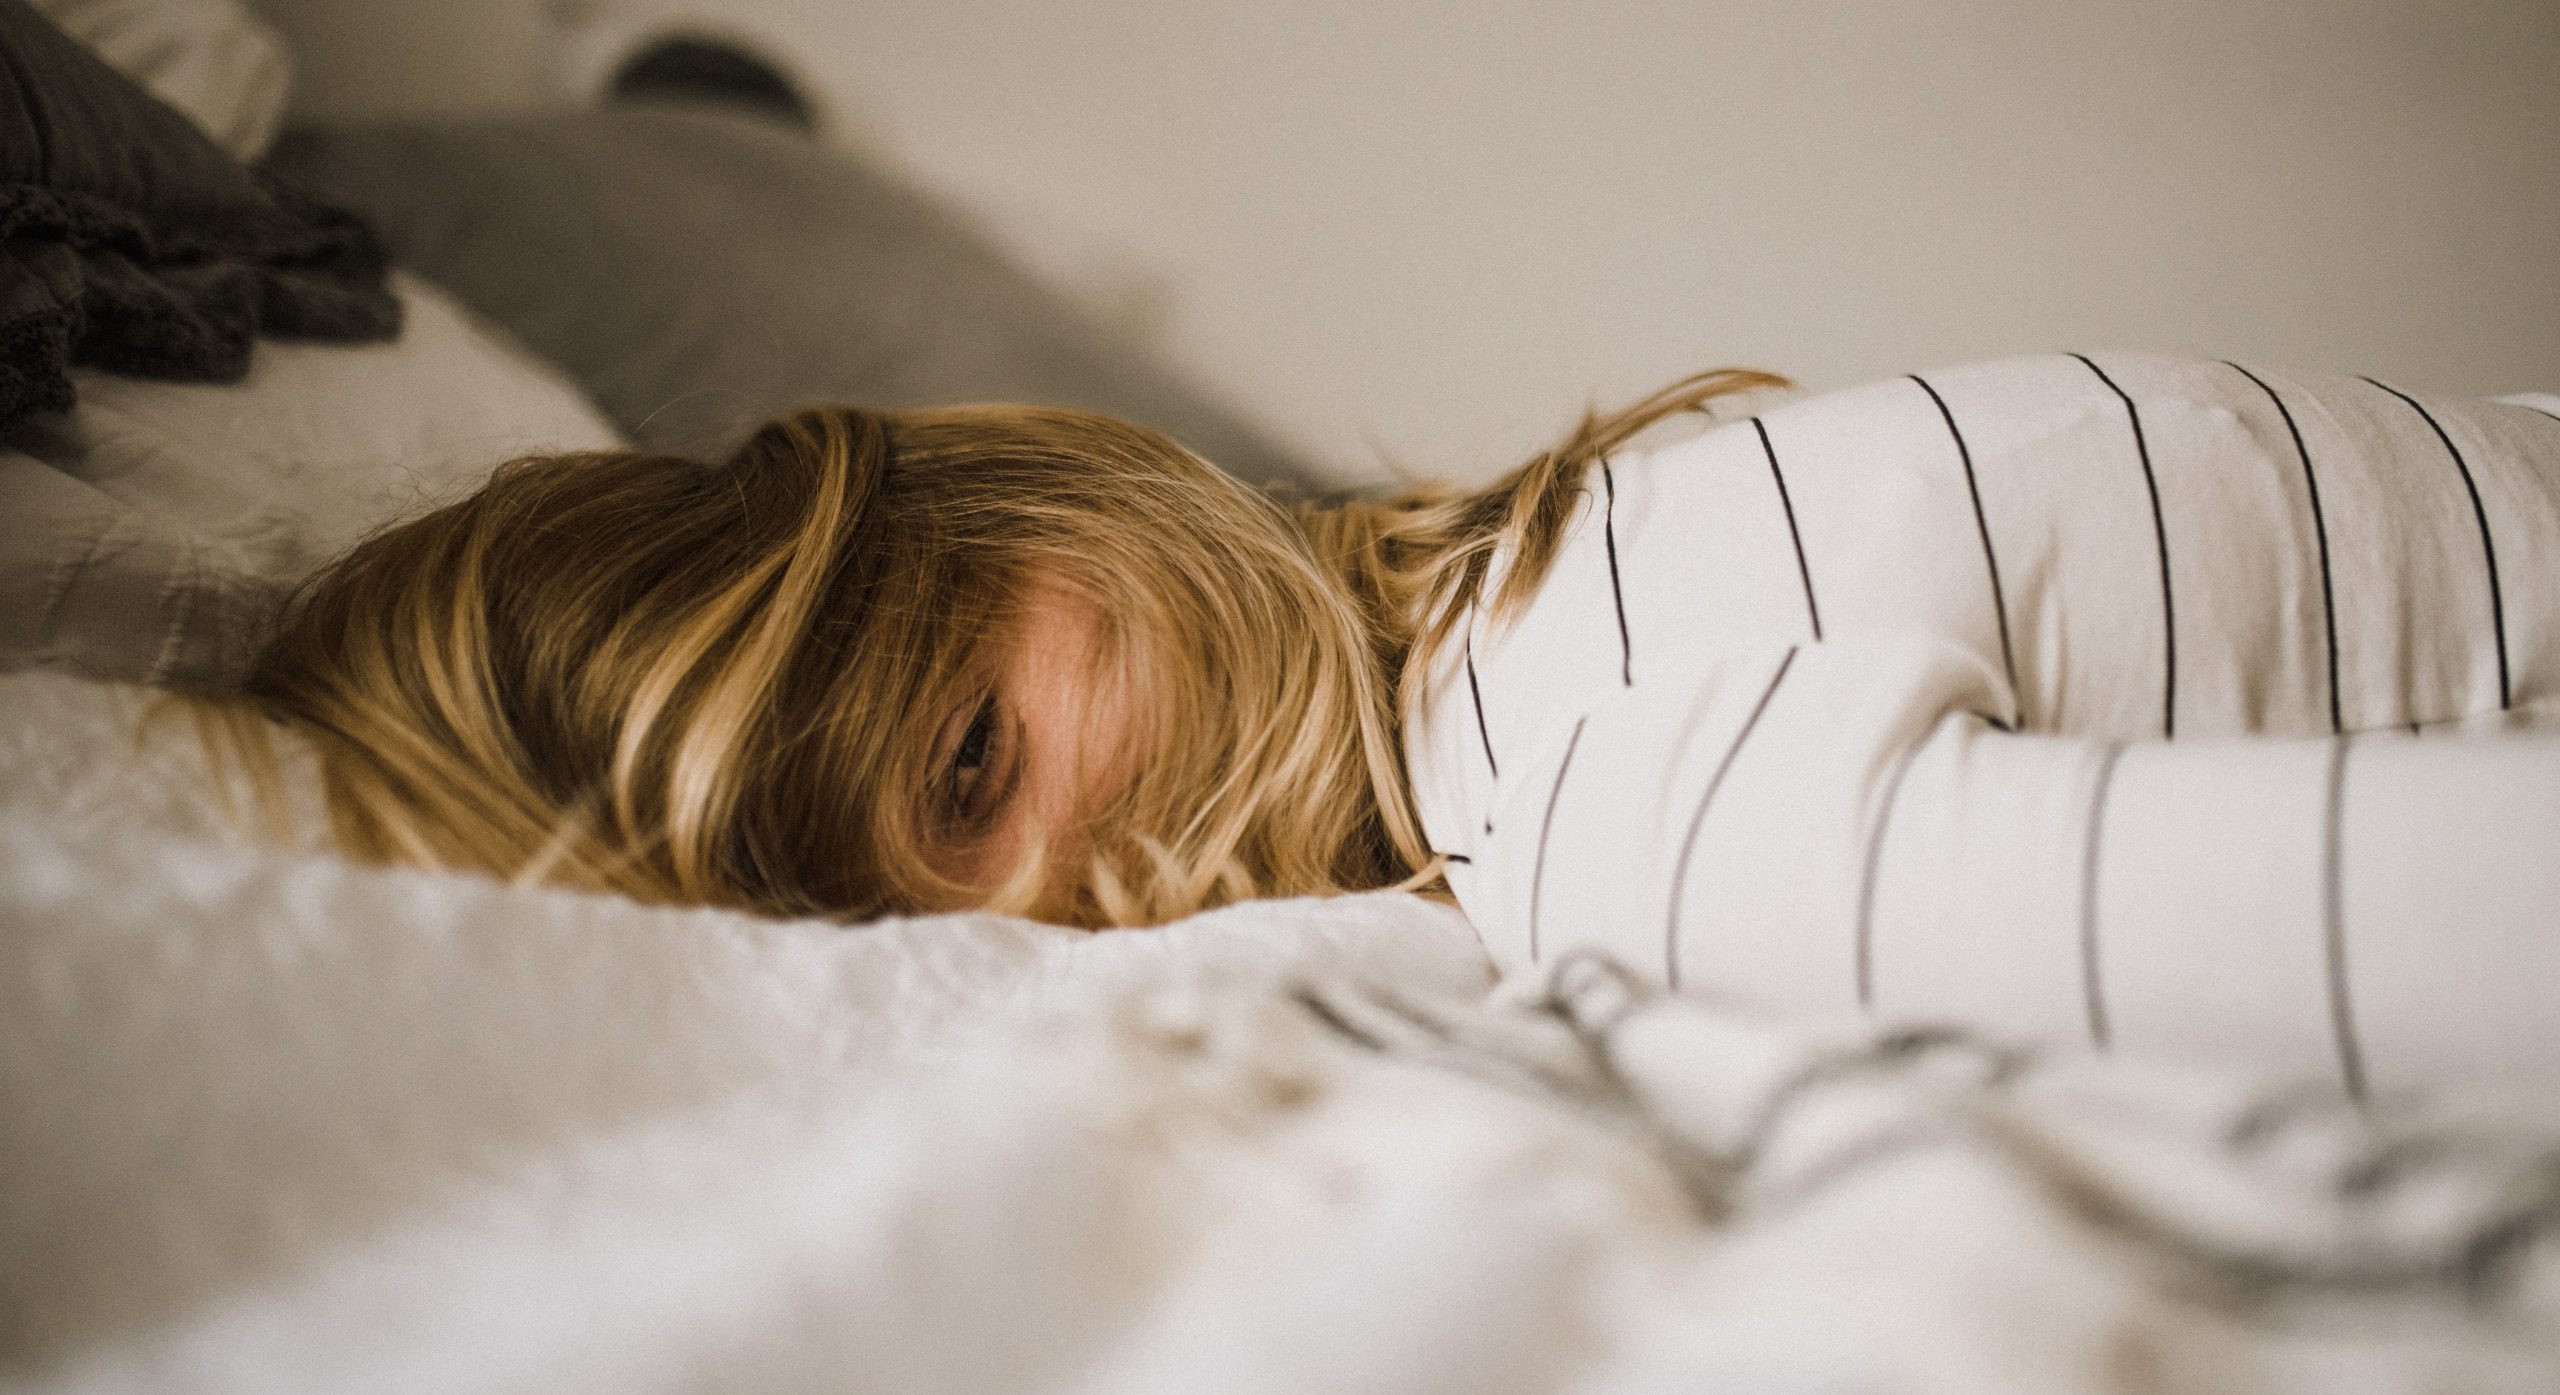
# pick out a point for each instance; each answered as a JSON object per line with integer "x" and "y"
{"x": 728, "y": 683}
{"x": 1416, "y": 562}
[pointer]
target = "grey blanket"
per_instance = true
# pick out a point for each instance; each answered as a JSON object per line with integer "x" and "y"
{"x": 130, "y": 242}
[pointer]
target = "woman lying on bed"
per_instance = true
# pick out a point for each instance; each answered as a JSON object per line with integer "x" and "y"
{"x": 1011, "y": 657}
{"x": 1922, "y": 693}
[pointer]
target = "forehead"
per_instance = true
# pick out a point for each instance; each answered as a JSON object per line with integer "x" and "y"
{"x": 1067, "y": 678}
{"x": 1055, "y": 631}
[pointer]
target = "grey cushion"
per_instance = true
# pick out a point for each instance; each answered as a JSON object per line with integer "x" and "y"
{"x": 697, "y": 270}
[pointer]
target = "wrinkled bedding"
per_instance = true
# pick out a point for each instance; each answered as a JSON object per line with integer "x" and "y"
{"x": 274, "y": 1122}
{"x": 154, "y": 530}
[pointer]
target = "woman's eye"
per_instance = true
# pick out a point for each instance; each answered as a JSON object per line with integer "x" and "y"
{"x": 969, "y": 762}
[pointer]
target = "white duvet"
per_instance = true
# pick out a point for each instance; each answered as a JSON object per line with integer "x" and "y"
{"x": 272, "y": 1122}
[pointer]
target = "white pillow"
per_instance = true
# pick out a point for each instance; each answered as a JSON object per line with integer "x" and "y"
{"x": 153, "y": 529}
{"x": 211, "y": 59}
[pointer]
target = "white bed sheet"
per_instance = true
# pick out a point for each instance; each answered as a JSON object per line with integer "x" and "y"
{"x": 276, "y": 1123}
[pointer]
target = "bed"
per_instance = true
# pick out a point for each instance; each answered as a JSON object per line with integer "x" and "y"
{"x": 273, "y": 1121}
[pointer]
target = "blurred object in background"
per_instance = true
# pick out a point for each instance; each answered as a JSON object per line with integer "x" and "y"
{"x": 607, "y": 52}
{"x": 686, "y": 67}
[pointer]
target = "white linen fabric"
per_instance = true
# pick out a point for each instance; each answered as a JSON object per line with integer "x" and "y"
{"x": 2173, "y": 706}
{"x": 276, "y": 1123}
{"x": 229, "y": 1071}
{"x": 154, "y": 529}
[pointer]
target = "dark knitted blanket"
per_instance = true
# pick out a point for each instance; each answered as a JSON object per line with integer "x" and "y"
{"x": 130, "y": 242}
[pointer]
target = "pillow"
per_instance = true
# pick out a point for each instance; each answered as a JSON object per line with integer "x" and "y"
{"x": 130, "y": 242}
{"x": 211, "y": 59}
{"x": 154, "y": 530}
{"x": 699, "y": 270}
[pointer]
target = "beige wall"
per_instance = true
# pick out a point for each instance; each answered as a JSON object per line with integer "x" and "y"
{"x": 1433, "y": 229}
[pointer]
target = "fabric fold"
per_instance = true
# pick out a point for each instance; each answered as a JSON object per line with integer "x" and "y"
{"x": 130, "y": 243}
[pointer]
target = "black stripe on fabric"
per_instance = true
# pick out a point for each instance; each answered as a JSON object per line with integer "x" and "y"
{"x": 2319, "y": 529}
{"x": 1990, "y": 559}
{"x": 2160, "y": 533}
{"x": 1483, "y": 733}
{"x": 1698, "y": 820}
{"x": 1326, "y": 1013}
{"x": 1459, "y": 858}
{"x": 1609, "y": 538}
{"x": 1546, "y": 826}
{"x": 2093, "y": 994}
{"x": 1866, "y": 940}
{"x": 2333, "y": 924}
{"x": 2488, "y": 547}
{"x": 1804, "y": 571}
